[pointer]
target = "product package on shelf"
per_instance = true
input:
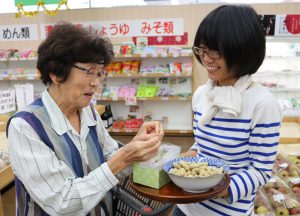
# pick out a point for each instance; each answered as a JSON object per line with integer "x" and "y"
{"x": 10, "y": 54}
{"x": 276, "y": 185}
{"x": 133, "y": 123}
{"x": 262, "y": 205}
{"x": 294, "y": 159}
{"x": 150, "y": 173}
{"x": 294, "y": 184}
{"x": 285, "y": 168}
{"x": 285, "y": 204}
{"x": 126, "y": 91}
{"x": 147, "y": 91}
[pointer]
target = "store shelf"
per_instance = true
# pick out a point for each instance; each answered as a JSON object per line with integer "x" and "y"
{"x": 134, "y": 130}
{"x": 18, "y": 59}
{"x": 288, "y": 39}
{"x": 285, "y": 72}
{"x": 289, "y": 132}
{"x": 20, "y": 77}
{"x": 148, "y": 75}
{"x": 290, "y": 57}
{"x": 154, "y": 55}
{"x": 172, "y": 98}
{"x": 284, "y": 89}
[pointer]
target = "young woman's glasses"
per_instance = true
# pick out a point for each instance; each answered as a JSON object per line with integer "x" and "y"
{"x": 213, "y": 54}
{"x": 92, "y": 72}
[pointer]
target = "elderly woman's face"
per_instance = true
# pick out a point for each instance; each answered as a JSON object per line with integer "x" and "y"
{"x": 84, "y": 81}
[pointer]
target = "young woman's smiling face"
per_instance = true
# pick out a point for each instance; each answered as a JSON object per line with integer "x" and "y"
{"x": 216, "y": 66}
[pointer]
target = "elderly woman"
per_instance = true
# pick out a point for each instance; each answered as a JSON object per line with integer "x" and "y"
{"x": 64, "y": 160}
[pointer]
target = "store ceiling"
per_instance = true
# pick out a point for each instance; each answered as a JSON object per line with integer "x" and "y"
{"x": 8, "y": 6}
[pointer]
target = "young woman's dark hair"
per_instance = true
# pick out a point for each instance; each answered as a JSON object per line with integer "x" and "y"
{"x": 68, "y": 44}
{"x": 235, "y": 31}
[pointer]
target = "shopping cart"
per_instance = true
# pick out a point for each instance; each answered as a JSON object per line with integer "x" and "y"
{"x": 127, "y": 202}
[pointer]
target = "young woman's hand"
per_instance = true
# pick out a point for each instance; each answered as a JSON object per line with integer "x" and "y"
{"x": 191, "y": 153}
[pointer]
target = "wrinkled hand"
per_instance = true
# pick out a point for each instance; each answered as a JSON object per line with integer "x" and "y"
{"x": 143, "y": 147}
{"x": 146, "y": 143}
{"x": 153, "y": 127}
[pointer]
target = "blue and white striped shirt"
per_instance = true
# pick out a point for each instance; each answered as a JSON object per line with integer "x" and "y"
{"x": 248, "y": 143}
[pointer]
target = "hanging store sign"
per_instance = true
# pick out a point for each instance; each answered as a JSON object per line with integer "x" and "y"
{"x": 7, "y": 101}
{"x": 128, "y": 28}
{"x": 287, "y": 25}
{"x": 18, "y": 32}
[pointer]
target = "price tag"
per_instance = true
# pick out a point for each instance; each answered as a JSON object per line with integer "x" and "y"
{"x": 278, "y": 197}
{"x": 184, "y": 54}
{"x": 295, "y": 180}
{"x": 154, "y": 55}
{"x": 143, "y": 55}
{"x": 175, "y": 55}
{"x": 127, "y": 56}
{"x": 183, "y": 131}
{"x": 130, "y": 101}
{"x": 164, "y": 98}
{"x": 115, "y": 98}
{"x": 164, "y": 55}
{"x": 284, "y": 165}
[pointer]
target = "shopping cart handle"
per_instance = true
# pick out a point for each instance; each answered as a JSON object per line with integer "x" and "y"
{"x": 137, "y": 206}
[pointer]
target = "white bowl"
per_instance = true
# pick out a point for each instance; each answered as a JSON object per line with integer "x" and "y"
{"x": 197, "y": 184}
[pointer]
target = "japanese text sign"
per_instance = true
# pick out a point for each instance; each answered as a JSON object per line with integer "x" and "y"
{"x": 129, "y": 28}
{"x": 7, "y": 101}
{"x": 18, "y": 32}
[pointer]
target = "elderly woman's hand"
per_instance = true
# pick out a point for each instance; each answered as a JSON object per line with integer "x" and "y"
{"x": 153, "y": 127}
{"x": 143, "y": 147}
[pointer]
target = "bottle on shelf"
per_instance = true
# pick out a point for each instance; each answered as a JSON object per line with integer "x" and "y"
{"x": 110, "y": 116}
{"x": 105, "y": 117}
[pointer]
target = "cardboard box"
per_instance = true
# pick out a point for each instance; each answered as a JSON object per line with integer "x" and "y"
{"x": 155, "y": 178}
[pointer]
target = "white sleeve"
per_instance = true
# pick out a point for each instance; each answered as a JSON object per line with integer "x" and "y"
{"x": 48, "y": 180}
{"x": 263, "y": 144}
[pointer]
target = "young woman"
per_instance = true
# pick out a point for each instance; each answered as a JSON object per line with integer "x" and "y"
{"x": 235, "y": 119}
